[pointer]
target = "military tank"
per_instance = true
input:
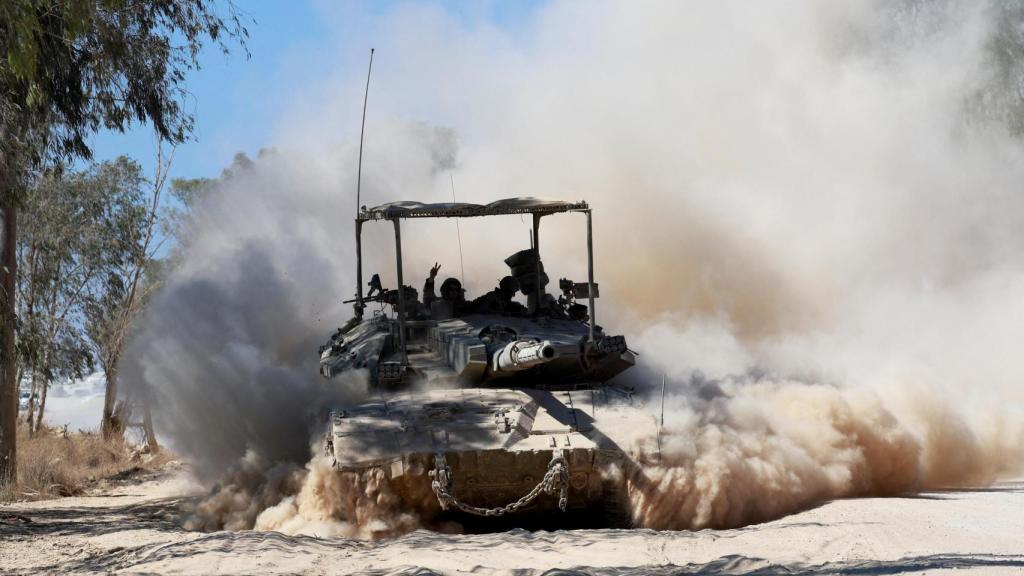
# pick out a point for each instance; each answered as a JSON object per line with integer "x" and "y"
{"x": 501, "y": 408}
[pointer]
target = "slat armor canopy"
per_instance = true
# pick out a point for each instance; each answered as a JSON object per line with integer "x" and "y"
{"x": 523, "y": 205}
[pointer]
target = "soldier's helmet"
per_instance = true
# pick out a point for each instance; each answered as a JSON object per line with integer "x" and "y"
{"x": 508, "y": 286}
{"x": 451, "y": 289}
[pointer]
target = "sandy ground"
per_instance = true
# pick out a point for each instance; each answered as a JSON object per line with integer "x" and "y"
{"x": 135, "y": 528}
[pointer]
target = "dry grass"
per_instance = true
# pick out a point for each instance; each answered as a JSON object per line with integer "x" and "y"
{"x": 59, "y": 463}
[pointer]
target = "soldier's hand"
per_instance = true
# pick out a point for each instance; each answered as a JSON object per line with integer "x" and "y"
{"x": 433, "y": 271}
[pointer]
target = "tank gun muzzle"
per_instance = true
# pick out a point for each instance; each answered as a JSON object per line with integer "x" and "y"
{"x": 522, "y": 354}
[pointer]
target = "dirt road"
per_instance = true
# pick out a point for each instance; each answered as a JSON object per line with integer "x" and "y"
{"x": 135, "y": 528}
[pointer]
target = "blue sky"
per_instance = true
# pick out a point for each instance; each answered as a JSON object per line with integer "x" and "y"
{"x": 237, "y": 101}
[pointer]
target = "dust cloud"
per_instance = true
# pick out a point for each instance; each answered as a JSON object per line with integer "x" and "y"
{"x": 807, "y": 218}
{"x": 318, "y": 499}
{"x": 315, "y": 500}
{"x": 756, "y": 450}
{"x": 354, "y": 504}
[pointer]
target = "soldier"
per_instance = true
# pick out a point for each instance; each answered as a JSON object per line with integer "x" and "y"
{"x": 499, "y": 300}
{"x": 451, "y": 292}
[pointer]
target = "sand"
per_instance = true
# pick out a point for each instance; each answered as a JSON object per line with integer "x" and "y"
{"x": 135, "y": 528}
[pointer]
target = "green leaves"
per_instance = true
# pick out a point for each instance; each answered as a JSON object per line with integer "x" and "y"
{"x": 82, "y": 238}
{"x": 20, "y": 28}
{"x": 72, "y": 67}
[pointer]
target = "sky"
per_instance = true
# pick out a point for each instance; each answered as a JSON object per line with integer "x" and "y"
{"x": 238, "y": 101}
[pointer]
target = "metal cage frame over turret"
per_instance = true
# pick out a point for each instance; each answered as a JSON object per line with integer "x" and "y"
{"x": 397, "y": 211}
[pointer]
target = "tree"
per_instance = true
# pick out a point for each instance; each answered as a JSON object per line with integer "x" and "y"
{"x": 88, "y": 234}
{"x": 69, "y": 68}
{"x": 58, "y": 255}
{"x": 182, "y": 218}
{"x": 128, "y": 228}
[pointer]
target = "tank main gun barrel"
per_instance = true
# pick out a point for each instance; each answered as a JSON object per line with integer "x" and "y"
{"x": 523, "y": 354}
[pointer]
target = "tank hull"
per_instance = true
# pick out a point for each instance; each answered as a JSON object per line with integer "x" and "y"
{"x": 496, "y": 445}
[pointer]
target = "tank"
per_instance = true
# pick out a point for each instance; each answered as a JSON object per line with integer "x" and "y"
{"x": 500, "y": 407}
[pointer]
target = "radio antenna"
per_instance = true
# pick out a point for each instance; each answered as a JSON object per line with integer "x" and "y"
{"x": 362, "y": 129}
{"x": 458, "y": 230}
{"x": 661, "y": 423}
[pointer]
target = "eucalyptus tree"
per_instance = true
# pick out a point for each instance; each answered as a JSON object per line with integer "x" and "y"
{"x": 128, "y": 230}
{"x": 58, "y": 256}
{"x": 88, "y": 239}
{"x": 69, "y": 68}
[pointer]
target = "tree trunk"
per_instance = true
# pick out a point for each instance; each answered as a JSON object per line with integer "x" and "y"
{"x": 33, "y": 390}
{"x": 30, "y": 298}
{"x": 8, "y": 369}
{"x": 42, "y": 406}
{"x": 109, "y": 425}
{"x": 19, "y": 374}
{"x": 147, "y": 425}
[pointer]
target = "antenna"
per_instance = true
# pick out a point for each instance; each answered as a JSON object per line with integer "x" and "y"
{"x": 458, "y": 229}
{"x": 362, "y": 129}
{"x": 661, "y": 423}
